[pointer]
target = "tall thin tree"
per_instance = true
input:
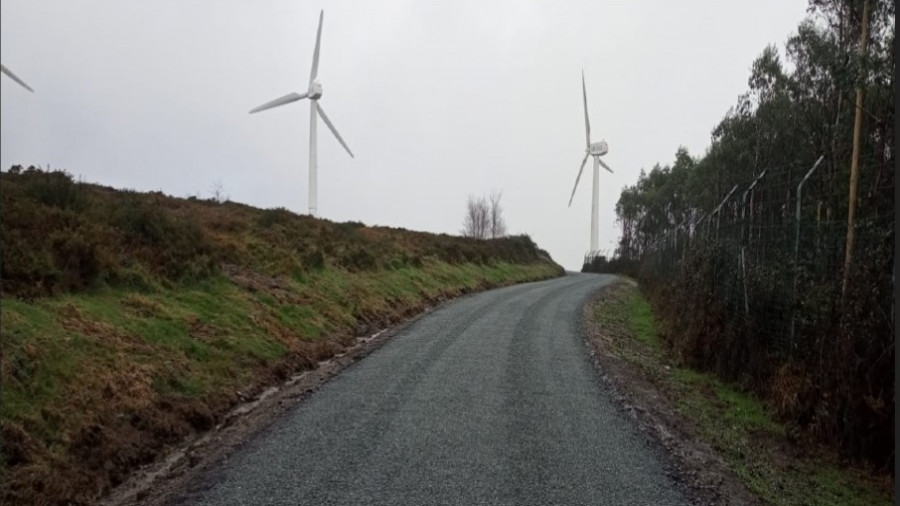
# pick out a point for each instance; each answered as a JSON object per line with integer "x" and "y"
{"x": 854, "y": 160}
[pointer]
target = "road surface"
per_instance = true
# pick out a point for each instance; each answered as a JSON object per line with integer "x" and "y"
{"x": 491, "y": 399}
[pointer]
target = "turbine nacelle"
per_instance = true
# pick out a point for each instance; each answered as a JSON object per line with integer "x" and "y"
{"x": 315, "y": 89}
{"x": 598, "y": 148}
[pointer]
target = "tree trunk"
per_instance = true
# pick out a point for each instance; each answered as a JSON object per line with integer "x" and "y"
{"x": 854, "y": 161}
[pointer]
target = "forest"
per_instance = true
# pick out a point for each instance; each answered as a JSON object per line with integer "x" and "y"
{"x": 769, "y": 259}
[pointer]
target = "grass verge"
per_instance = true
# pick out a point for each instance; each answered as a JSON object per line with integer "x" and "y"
{"x": 97, "y": 384}
{"x": 755, "y": 447}
{"x": 134, "y": 320}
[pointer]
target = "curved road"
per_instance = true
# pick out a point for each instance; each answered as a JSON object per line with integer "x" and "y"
{"x": 491, "y": 399}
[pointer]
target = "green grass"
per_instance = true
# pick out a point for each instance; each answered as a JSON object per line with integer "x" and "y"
{"x": 740, "y": 411}
{"x": 153, "y": 312}
{"x": 739, "y": 426}
{"x": 735, "y": 423}
{"x": 641, "y": 322}
{"x": 197, "y": 339}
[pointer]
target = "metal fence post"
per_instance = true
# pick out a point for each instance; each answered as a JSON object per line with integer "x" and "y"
{"x": 745, "y": 238}
{"x": 797, "y": 252}
{"x": 719, "y": 208}
{"x": 692, "y": 229}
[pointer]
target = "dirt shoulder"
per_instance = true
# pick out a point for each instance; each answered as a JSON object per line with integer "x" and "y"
{"x": 132, "y": 322}
{"x": 723, "y": 443}
{"x": 98, "y": 385}
{"x": 624, "y": 364}
{"x": 159, "y": 483}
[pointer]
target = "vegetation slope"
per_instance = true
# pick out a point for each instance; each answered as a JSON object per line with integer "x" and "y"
{"x": 131, "y": 320}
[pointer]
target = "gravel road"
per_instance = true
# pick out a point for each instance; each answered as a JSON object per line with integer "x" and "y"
{"x": 491, "y": 399}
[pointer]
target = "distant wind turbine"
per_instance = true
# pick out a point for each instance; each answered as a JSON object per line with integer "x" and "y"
{"x": 14, "y": 77}
{"x": 596, "y": 150}
{"x": 313, "y": 93}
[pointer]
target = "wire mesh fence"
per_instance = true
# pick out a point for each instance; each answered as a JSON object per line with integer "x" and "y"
{"x": 776, "y": 245}
{"x": 759, "y": 285}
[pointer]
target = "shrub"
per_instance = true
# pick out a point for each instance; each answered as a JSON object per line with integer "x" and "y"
{"x": 54, "y": 189}
{"x": 277, "y": 216}
{"x": 359, "y": 259}
{"x": 77, "y": 258}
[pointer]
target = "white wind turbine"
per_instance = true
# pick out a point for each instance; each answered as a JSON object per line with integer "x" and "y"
{"x": 313, "y": 93}
{"x": 596, "y": 150}
{"x": 14, "y": 77}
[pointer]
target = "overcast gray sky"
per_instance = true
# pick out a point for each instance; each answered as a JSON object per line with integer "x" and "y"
{"x": 437, "y": 99}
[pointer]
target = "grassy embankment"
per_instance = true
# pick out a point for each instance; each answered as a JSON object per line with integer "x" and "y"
{"x": 131, "y": 320}
{"x": 741, "y": 428}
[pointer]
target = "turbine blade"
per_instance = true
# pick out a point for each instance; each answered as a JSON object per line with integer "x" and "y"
{"x": 331, "y": 127}
{"x": 578, "y": 178}
{"x": 287, "y": 99}
{"x": 587, "y": 123}
{"x": 14, "y": 78}
{"x": 605, "y": 166}
{"x": 315, "y": 66}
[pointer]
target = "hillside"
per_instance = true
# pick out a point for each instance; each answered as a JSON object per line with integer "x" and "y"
{"x": 132, "y": 320}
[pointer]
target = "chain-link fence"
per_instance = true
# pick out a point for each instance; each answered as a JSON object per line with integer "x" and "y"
{"x": 758, "y": 286}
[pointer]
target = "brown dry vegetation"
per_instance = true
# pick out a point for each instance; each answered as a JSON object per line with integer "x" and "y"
{"x": 728, "y": 444}
{"x": 134, "y": 320}
{"x": 833, "y": 386}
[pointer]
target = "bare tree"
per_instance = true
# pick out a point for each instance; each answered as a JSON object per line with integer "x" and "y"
{"x": 497, "y": 223}
{"x": 477, "y": 220}
{"x": 218, "y": 191}
{"x": 484, "y": 217}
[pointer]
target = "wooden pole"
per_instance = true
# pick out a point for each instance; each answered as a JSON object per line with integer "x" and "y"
{"x": 854, "y": 161}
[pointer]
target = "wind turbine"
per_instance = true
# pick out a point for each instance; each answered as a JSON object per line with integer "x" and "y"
{"x": 596, "y": 150}
{"x": 14, "y": 77}
{"x": 313, "y": 93}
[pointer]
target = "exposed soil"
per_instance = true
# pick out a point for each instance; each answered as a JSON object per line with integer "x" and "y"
{"x": 94, "y": 390}
{"x": 651, "y": 405}
{"x": 158, "y": 483}
{"x": 695, "y": 463}
{"x": 130, "y": 446}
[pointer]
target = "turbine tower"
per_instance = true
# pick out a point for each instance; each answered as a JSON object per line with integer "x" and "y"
{"x": 313, "y": 93}
{"x": 596, "y": 150}
{"x": 14, "y": 77}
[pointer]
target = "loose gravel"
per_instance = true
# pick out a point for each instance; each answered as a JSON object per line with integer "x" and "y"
{"x": 491, "y": 399}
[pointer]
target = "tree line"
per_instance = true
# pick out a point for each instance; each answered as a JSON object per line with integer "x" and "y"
{"x": 788, "y": 116}
{"x": 770, "y": 257}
